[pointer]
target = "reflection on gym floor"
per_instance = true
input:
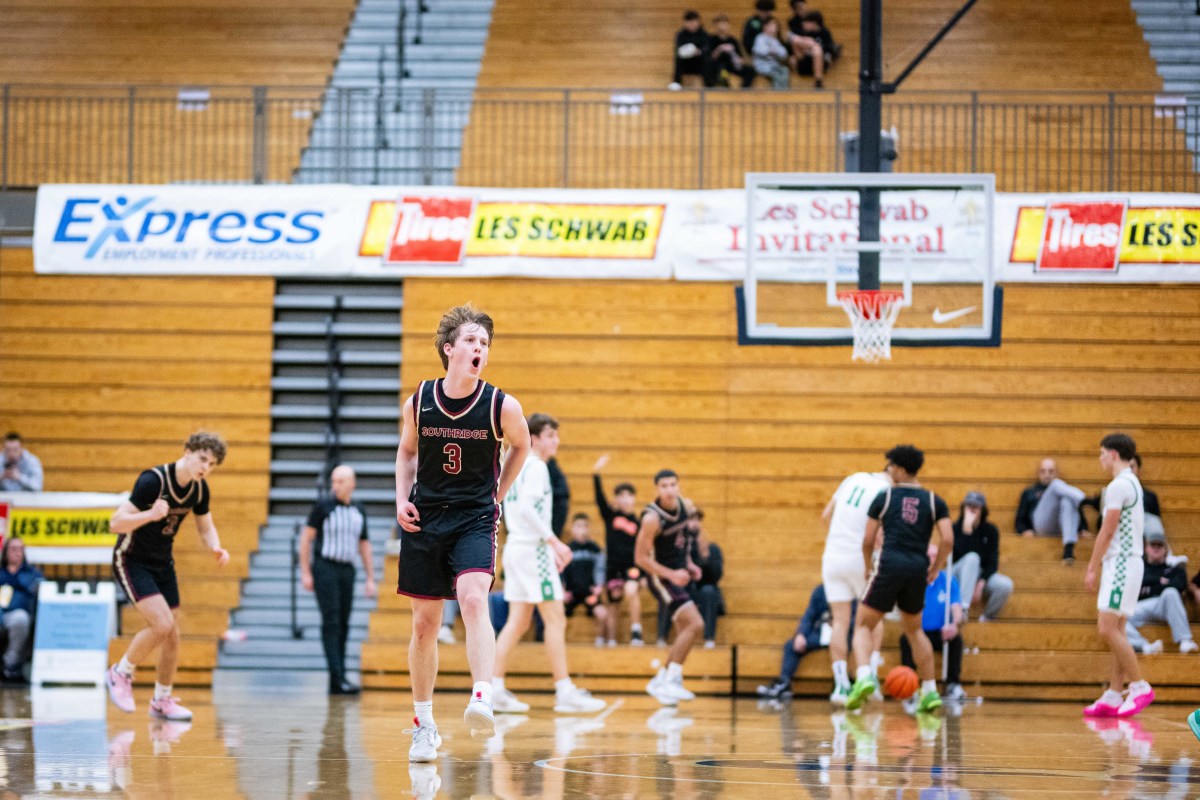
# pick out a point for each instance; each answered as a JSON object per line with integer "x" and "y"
{"x": 259, "y": 740}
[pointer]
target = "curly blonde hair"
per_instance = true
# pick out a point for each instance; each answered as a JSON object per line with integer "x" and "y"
{"x": 207, "y": 440}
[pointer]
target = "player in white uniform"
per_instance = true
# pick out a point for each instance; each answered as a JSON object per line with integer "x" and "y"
{"x": 842, "y": 568}
{"x": 533, "y": 557}
{"x": 1117, "y": 562}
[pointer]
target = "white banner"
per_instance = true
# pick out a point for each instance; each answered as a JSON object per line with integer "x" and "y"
{"x": 337, "y": 230}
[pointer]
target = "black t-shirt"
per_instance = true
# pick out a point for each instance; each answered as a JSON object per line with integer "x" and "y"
{"x": 340, "y": 527}
{"x": 458, "y": 446}
{"x": 750, "y": 32}
{"x": 152, "y": 542}
{"x": 620, "y": 530}
{"x": 908, "y": 514}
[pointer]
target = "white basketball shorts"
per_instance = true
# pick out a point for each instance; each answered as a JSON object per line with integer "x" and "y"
{"x": 1120, "y": 583}
{"x": 529, "y": 574}
{"x": 844, "y": 576}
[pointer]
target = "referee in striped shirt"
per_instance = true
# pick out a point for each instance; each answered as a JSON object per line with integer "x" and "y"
{"x": 336, "y": 527}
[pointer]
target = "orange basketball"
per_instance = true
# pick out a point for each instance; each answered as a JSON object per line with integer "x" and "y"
{"x": 900, "y": 683}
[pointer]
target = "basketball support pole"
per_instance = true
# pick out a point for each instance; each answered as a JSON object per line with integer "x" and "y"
{"x": 871, "y": 89}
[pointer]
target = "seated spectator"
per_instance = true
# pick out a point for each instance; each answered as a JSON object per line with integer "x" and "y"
{"x": 1160, "y": 600}
{"x": 813, "y": 633}
{"x": 941, "y": 629}
{"x": 726, "y": 57}
{"x": 1051, "y": 508}
{"x": 803, "y": 39}
{"x": 771, "y": 57}
{"x": 691, "y": 44}
{"x": 583, "y": 580}
{"x": 764, "y": 10}
{"x": 449, "y": 615}
{"x": 19, "y": 583}
{"x": 22, "y": 469}
{"x": 708, "y": 557}
{"x": 807, "y": 21}
{"x": 977, "y": 557}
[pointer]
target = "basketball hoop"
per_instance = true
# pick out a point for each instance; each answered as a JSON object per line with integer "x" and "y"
{"x": 872, "y": 315}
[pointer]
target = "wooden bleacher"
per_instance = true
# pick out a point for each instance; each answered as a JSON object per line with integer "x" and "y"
{"x": 651, "y": 373}
{"x": 105, "y": 376}
{"x": 1017, "y": 45}
{"x": 1012, "y": 48}
{"x": 72, "y": 62}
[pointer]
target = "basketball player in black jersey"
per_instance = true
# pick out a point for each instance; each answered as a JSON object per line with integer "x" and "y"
{"x": 448, "y": 481}
{"x": 664, "y": 552}
{"x": 908, "y": 515}
{"x": 146, "y": 525}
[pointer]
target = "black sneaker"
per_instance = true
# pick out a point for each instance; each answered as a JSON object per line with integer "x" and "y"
{"x": 635, "y": 639}
{"x": 1068, "y": 554}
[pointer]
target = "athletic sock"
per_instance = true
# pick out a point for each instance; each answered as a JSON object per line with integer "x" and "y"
{"x": 161, "y": 692}
{"x": 635, "y": 627}
{"x": 498, "y": 685}
{"x": 563, "y": 686}
{"x": 876, "y": 662}
{"x": 928, "y": 686}
{"x": 674, "y": 672}
{"x": 863, "y": 673}
{"x": 125, "y": 668}
{"x": 1111, "y": 698}
{"x": 482, "y": 690}
{"x": 841, "y": 674}
{"x": 1138, "y": 687}
{"x": 423, "y": 710}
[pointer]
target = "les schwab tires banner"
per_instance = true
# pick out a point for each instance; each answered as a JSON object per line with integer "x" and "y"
{"x": 337, "y": 230}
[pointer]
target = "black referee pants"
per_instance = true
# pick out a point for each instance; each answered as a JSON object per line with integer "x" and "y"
{"x": 333, "y": 584}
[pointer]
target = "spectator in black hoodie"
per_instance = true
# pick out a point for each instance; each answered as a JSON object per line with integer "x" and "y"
{"x": 691, "y": 45}
{"x": 977, "y": 557}
{"x": 726, "y": 57}
{"x": 623, "y": 577}
{"x": 707, "y": 555}
{"x": 1160, "y": 599}
{"x": 764, "y": 10}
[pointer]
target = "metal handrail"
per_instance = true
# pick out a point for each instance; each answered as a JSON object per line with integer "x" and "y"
{"x": 333, "y": 447}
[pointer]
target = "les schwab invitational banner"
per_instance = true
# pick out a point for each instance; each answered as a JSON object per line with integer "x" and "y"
{"x": 338, "y": 230}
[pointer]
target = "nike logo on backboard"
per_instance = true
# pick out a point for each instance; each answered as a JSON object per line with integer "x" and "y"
{"x": 940, "y": 319}
{"x": 427, "y": 409}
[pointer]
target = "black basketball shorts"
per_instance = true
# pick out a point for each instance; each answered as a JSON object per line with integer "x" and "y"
{"x": 896, "y": 586}
{"x": 451, "y": 542}
{"x": 672, "y": 596}
{"x": 140, "y": 580}
{"x": 615, "y": 577}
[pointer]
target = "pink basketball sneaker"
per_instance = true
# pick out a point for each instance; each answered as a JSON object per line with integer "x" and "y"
{"x": 1107, "y": 706}
{"x": 169, "y": 708}
{"x": 120, "y": 689}
{"x": 1140, "y": 696}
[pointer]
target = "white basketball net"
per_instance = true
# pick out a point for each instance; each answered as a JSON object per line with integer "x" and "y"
{"x": 872, "y": 315}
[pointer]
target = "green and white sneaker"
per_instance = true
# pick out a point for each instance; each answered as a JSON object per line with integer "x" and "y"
{"x": 860, "y": 691}
{"x": 930, "y": 702}
{"x": 1194, "y": 722}
{"x": 840, "y": 695}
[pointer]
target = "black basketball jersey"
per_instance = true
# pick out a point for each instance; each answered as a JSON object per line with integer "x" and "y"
{"x": 675, "y": 535}
{"x": 458, "y": 446}
{"x": 908, "y": 515}
{"x": 152, "y": 542}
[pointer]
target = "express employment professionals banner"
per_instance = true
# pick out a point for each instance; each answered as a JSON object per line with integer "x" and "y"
{"x": 349, "y": 230}
{"x": 337, "y": 230}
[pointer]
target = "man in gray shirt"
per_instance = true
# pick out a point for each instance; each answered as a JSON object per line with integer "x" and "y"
{"x": 22, "y": 469}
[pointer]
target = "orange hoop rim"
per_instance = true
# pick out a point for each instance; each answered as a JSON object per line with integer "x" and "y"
{"x": 870, "y": 302}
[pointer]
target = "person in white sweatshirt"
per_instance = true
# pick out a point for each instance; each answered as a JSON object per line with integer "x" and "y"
{"x": 533, "y": 557}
